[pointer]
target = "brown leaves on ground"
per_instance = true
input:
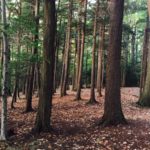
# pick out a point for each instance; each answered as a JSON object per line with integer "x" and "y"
{"x": 75, "y": 126}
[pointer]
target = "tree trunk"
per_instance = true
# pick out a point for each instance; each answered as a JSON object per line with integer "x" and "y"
{"x": 92, "y": 96}
{"x": 35, "y": 53}
{"x": 145, "y": 87}
{"x": 78, "y": 45}
{"x": 79, "y": 77}
{"x": 100, "y": 59}
{"x": 64, "y": 78}
{"x": 5, "y": 73}
{"x": 144, "y": 61}
{"x": 113, "y": 114}
{"x": 42, "y": 122}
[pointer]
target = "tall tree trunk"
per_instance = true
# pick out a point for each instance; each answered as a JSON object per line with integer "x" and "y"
{"x": 144, "y": 61}
{"x": 64, "y": 78}
{"x": 5, "y": 73}
{"x": 113, "y": 114}
{"x": 92, "y": 96}
{"x": 79, "y": 77}
{"x": 100, "y": 59}
{"x": 145, "y": 94}
{"x": 35, "y": 53}
{"x": 57, "y": 46}
{"x": 78, "y": 44}
{"x": 42, "y": 122}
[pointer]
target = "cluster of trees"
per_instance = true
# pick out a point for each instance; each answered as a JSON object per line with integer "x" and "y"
{"x": 85, "y": 39}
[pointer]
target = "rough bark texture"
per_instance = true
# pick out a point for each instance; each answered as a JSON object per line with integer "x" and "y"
{"x": 79, "y": 77}
{"x": 113, "y": 114}
{"x": 42, "y": 123}
{"x": 5, "y": 73}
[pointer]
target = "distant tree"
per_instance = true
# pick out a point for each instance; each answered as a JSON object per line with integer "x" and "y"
{"x": 81, "y": 41}
{"x": 113, "y": 114}
{"x": 42, "y": 122}
{"x": 92, "y": 96}
{"x": 35, "y": 53}
{"x": 65, "y": 69}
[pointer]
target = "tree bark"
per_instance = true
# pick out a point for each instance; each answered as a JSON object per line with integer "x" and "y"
{"x": 42, "y": 123}
{"x": 5, "y": 73}
{"x": 64, "y": 78}
{"x": 113, "y": 114}
{"x": 92, "y": 96}
{"x": 100, "y": 59}
{"x": 79, "y": 77}
{"x": 145, "y": 95}
{"x": 35, "y": 53}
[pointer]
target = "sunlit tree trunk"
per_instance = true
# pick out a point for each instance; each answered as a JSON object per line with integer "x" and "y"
{"x": 5, "y": 72}
{"x": 145, "y": 76}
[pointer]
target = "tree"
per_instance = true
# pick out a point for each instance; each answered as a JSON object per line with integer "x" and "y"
{"x": 145, "y": 94}
{"x": 81, "y": 50}
{"x": 100, "y": 58}
{"x": 5, "y": 72}
{"x": 113, "y": 114}
{"x": 65, "y": 68}
{"x": 42, "y": 122}
{"x": 92, "y": 96}
{"x": 35, "y": 53}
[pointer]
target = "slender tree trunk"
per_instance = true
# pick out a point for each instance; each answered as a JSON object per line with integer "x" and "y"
{"x": 65, "y": 71}
{"x": 92, "y": 96}
{"x": 79, "y": 78}
{"x": 5, "y": 73}
{"x": 35, "y": 53}
{"x": 100, "y": 59}
{"x": 113, "y": 114}
{"x": 78, "y": 45}
{"x": 42, "y": 122}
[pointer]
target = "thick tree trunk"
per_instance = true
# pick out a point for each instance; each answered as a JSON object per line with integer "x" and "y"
{"x": 42, "y": 122}
{"x": 5, "y": 73}
{"x": 92, "y": 96}
{"x": 113, "y": 114}
{"x": 79, "y": 77}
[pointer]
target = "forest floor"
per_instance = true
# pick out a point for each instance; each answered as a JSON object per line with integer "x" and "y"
{"x": 75, "y": 125}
